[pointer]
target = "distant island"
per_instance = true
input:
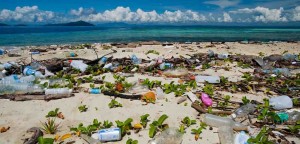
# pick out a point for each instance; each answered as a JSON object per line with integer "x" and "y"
{"x": 77, "y": 23}
{"x": 3, "y": 24}
{"x": 20, "y": 25}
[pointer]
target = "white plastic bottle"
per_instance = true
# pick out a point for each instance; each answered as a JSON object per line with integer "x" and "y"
{"x": 106, "y": 135}
{"x": 159, "y": 93}
{"x": 281, "y": 102}
{"x": 58, "y": 91}
{"x": 217, "y": 121}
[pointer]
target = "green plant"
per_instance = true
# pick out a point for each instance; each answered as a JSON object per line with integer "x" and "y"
{"x": 124, "y": 126}
{"x": 198, "y": 131}
{"x": 151, "y": 84}
{"x": 82, "y": 108}
{"x": 158, "y": 125}
{"x": 245, "y": 100}
{"x": 42, "y": 140}
{"x": 144, "y": 120}
{"x": 89, "y": 129}
{"x": 53, "y": 113}
{"x": 247, "y": 76}
{"x": 243, "y": 65}
{"x": 209, "y": 89}
{"x": 271, "y": 80}
{"x": 152, "y": 51}
{"x": 262, "y": 137}
{"x": 113, "y": 104}
{"x": 234, "y": 88}
{"x": 209, "y": 110}
{"x": 131, "y": 141}
{"x": 266, "y": 114}
{"x": 50, "y": 127}
{"x": 88, "y": 79}
{"x": 295, "y": 101}
{"x": 225, "y": 103}
{"x": 181, "y": 128}
{"x": 261, "y": 54}
{"x": 106, "y": 124}
{"x": 206, "y": 66}
{"x": 296, "y": 128}
{"x": 223, "y": 80}
{"x": 188, "y": 122}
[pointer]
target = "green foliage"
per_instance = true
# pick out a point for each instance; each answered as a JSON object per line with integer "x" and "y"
{"x": 209, "y": 89}
{"x": 234, "y": 88}
{"x": 261, "y": 54}
{"x": 206, "y": 66}
{"x": 198, "y": 131}
{"x": 151, "y": 84}
{"x": 106, "y": 124}
{"x": 209, "y": 110}
{"x": 181, "y": 128}
{"x": 158, "y": 125}
{"x": 295, "y": 101}
{"x": 53, "y": 113}
{"x": 42, "y": 140}
{"x": 247, "y": 77}
{"x": 96, "y": 125}
{"x": 144, "y": 120}
{"x": 152, "y": 51}
{"x": 131, "y": 141}
{"x": 271, "y": 80}
{"x": 245, "y": 100}
{"x": 262, "y": 137}
{"x": 124, "y": 126}
{"x": 113, "y": 104}
{"x": 50, "y": 127}
{"x": 188, "y": 122}
{"x": 82, "y": 108}
{"x": 296, "y": 128}
{"x": 223, "y": 80}
{"x": 88, "y": 79}
{"x": 266, "y": 114}
{"x": 225, "y": 103}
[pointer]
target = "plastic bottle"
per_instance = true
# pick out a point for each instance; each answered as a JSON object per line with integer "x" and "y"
{"x": 192, "y": 96}
{"x": 209, "y": 79}
{"x": 241, "y": 138}
{"x": 108, "y": 66}
{"x": 1, "y": 52}
{"x": 244, "y": 110}
{"x": 95, "y": 91}
{"x": 78, "y": 64}
{"x": 39, "y": 74}
{"x": 58, "y": 91}
{"x": 153, "y": 62}
{"x": 35, "y": 66}
{"x": 1, "y": 67}
{"x": 27, "y": 79}
{"x": 211, "y": 53}
{"x": 289, "y": 56}
{"x": 294, "y": 116}
{"x": 102, "y": 61}
{"x": 283, "y": 116}
{"x": 206, "y": 99}
{"x": 34, "y": 53}
{"x": 284, "y": 71}
{"x": 105, "y": 135}
{"x": 223, "y": 56}
{"x": 168, "y": 136}
{"x": 135, "y": 59}
{"x": 159, "y": 93}
{"x": 28, "y": 71}
{"x": 217, "y": 121}
{"x": 164, "y": 65}
{"x": 226, "y": 135}
{"x": 281, "y": 102}
{"x": 7, "y": 65}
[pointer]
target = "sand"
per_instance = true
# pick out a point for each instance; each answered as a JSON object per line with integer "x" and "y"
{"x": 21, "y": 116}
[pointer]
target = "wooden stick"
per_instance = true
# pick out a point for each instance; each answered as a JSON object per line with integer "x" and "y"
{"x": 38, "y": 97}
{"x": 200, "y": 109}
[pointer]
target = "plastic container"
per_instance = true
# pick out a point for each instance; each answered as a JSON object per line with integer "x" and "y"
{"x": 152, "y": 63}
{"x": 28, "y": 71}
{"x": 39, "y": 74}
{"x": 294, "y": 116}
{"x": 281, "y": 102}
{"x": 168, "y": 136}
{"x": 206, "y": 99}
{"x": 192, "y": 96}
{"x": 217, "y": 121}
{"x": 160, "y": 93}
{"x": 78, "y": 64}
{"x": 209, "y": 79}
{"x": 241, "y": 138}
{"x": 7, "y": 65}
{"x": 211, "y": 53}
{"x": 72, "y": 54}
{"x": 244, "y": 110}
{"x": 223, "y": 56}
{"x": 289, "y": 57}
{"x": 284, "y": 71}
{"x": 135, "y": 59}
{"x": 102, "y": 61}
{"x": 108, "y": 66}
{"x": 106, "y": 135}
{"x": 283, "y": 116}
{"x": 95, "y": 91}
{"x": 35, "y": 66}
{"x": 164, "y": 65}
{"x": 226, "y": 135}
{"x": 58, "y": 91}
{"x": 27, "y": 79}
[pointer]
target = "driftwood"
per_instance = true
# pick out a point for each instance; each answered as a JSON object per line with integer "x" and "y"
{"x": 34, "y": 138}
{"x": 120, "y": 95}
{"x": 200, "y": 109}
{"x": 34, "y": 97}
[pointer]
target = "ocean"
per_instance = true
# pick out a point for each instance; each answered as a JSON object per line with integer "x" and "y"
{"x": 45, "y": 35}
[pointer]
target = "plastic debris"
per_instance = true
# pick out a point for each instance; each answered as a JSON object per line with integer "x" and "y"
{"x": 192, "y": 96}
{"x": 58, "y": 91}
{"x": 241, "y": 138}
{"x": 106, "y": 135}
{"x": 168, "y": 136}
{"x": 160, "y": 93}
{"x": 244, "y": 110}
{"x": 78, "y": 64}
{"x": 226, "y": 135}
{"x": 179, "y": 72}
{"x": 281, "y": 102}
{"x": 95, "y": 91}
{"x": 217, "y": 121}
{"x": 209, "y": 79}
{"x": 206, "y": 99}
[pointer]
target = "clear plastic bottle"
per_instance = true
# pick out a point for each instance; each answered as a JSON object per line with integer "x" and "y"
{"x": 58, "y": 91}
{"x": 169, "y": 136}
{"x": 209, "y": 79}
{"x": 244, "y": 110}
{"x": 159, "y": 93}
{"x": 223, "y": 56}
{"x": 211, "y": 53}
{"x": 102, "y": 61}
{"x": 226, "y": 135}
{"x": 294, "y": 116}
{"x": 281, "y": 102}
{"x": 78, "y": 64}
{"x": 164, "y": 65}
{"x": 27, "y": 79}
{"x": 217, "y": 121}
{"x": 241, "y": 138}
{"x": 135, "y": 59}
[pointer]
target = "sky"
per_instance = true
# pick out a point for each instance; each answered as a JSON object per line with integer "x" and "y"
{"x": 151, "y": 11}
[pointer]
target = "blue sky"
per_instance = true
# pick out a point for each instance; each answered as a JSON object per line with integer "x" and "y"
{"x": 150, "y": 11}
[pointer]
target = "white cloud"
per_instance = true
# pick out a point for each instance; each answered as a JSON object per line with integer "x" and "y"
{"x": 227, "y": 17}
{"x": 124, "y": 14}
{"x": 26, "y": 14}
{"x": 296, "y": 14}
{"x": 262, "y": 14}
{"x": 82, "y": 11}
{"x": 223, "y": 3}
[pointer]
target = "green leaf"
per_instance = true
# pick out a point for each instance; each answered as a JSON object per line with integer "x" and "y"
{"x": 42, "y": 140}
{"x": 162, "y": 119}
{"x": 152, "y": 131}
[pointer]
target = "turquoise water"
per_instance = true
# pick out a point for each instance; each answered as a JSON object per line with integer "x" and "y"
{"x": 41, "y": 35}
